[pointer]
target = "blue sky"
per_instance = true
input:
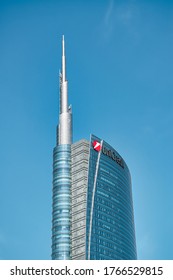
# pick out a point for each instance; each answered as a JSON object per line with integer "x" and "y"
{"x": 119, "y": 70}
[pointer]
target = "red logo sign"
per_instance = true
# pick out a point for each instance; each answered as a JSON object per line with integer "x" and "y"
{"x": 96, "y": 146}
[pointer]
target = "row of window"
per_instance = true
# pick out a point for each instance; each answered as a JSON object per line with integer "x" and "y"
{"x": 118, "y": 239}
{"x": 126, "y": 207}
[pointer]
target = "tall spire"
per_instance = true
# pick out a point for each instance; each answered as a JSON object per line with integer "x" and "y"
{"x": 63, "y": 59}
{"x": 63, "y": 83}
{"x": 65, "y": 116}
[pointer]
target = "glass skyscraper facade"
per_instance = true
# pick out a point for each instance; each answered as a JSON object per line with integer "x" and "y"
{"x": 92, "y": 215}
{"x": 102, "y": 208}
{"x": 61, "y": 214}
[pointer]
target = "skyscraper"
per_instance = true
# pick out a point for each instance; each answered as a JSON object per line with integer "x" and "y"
{"x": 92, "y": 195}
{"x": 61, "y": 214}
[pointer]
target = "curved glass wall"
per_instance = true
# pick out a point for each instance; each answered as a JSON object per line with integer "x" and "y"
{"x": 61, "y": 221}
{"x": 110, "y": 231}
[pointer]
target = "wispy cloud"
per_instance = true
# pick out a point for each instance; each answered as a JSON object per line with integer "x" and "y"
{"x": 108, "y": 19}
{"x": 109, "y": 13}
{"x": 125, "y": 15}
{"x": 121, "y": 14}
